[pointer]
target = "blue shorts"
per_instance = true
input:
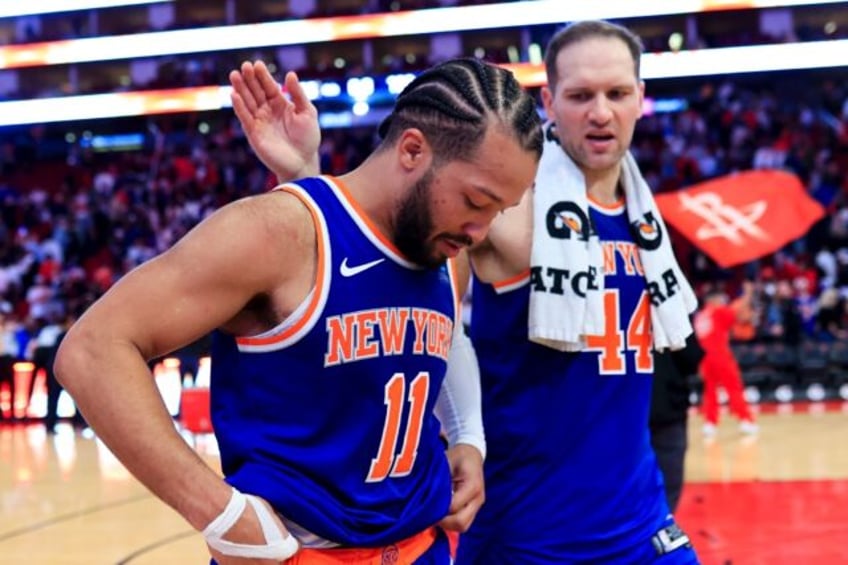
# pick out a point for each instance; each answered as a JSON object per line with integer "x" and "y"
{"x": 669, "y": 546}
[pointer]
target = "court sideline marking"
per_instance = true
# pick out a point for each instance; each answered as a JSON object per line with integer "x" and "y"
{"x": 70, "y": 516}
{"x": 156, "y": 545}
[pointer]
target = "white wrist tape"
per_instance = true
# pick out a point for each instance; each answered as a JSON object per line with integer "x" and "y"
{"x": 276, "y": 546}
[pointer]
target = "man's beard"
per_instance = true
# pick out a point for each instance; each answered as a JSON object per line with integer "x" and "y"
{"x": 414, "y": 227}
{"x": 414, "y": 224}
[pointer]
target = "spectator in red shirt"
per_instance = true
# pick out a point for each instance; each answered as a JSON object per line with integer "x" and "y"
{"x": 719, "y": 368}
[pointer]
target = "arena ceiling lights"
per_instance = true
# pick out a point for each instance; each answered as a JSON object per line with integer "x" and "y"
{"x": 730, "y": 60}
{"x": 721, "y": 61}
{"x": 16, "y": 8}
{"x": 317, "y": 30}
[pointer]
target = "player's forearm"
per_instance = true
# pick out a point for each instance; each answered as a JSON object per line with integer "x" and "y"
{"x": 459, "y": 405}
{"x": 112, "y": 386}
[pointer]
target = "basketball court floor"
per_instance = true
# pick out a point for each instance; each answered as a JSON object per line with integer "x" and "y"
{"x": 778, "y": 498}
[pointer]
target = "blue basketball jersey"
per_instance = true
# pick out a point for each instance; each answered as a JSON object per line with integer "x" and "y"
{"x": 329, "y": 416}
{"x": 570, "y": 473}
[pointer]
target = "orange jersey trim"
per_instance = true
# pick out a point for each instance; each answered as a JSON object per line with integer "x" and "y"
{"x": 320, "y": 283}
{"x": 345, "y": 192}
{"x": 406, "y": 551}
{"x": 453, "y": 270}
{"x": 512, "y": 282}
{"x": 615, "y": 207}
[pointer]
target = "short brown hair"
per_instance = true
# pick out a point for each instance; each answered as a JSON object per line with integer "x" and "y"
{"x": 579, "y": 31}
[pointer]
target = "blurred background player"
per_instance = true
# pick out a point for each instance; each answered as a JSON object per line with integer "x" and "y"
{"x": 713, "y": 324}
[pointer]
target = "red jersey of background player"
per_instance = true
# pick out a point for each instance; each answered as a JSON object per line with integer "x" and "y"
{"x": 713, "y": 325}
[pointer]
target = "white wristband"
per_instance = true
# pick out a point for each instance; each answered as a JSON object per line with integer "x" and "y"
{"x": 275, "y": 547}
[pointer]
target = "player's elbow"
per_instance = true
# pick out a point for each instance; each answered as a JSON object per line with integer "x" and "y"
{"x": 69, "y": 366}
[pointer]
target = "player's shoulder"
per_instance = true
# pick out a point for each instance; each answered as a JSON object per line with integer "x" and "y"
{"x": 255, "y": 235}
{"x": 273, "y": 214}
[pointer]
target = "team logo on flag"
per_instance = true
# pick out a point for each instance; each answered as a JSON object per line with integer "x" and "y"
{"x": 742, "y": 217}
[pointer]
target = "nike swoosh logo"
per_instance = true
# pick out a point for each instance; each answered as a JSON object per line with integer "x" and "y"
{"x": 348, "y": 271}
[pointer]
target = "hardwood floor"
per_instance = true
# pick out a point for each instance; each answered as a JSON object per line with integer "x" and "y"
{"x": 778, "y": 498}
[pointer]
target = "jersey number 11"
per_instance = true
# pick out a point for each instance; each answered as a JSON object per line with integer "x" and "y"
{"x": 388, "y": 462}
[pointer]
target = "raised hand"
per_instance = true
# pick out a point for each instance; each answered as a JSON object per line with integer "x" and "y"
{"x": 283, "y": 132}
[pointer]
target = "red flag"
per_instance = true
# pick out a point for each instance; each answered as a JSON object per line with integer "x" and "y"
{"x": 741, "y": 217}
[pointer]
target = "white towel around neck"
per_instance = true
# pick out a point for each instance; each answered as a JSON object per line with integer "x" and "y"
{"x": 564, "y": 240}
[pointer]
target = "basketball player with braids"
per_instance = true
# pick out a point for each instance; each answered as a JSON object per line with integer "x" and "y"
{"x": 333, "y": 303}
{"x": 573, "y": 290}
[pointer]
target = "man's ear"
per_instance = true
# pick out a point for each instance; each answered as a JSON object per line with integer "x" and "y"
{"x": 413, "y": 149}
{"x": 547, "y": 101}
{"x": 641, "y": 98}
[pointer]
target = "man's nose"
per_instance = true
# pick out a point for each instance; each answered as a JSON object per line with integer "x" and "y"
{"x": 600, "y": 111}
{"x": 476, "y": 231}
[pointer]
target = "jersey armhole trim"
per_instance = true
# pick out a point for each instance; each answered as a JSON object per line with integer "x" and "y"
{"x": 306, "y": 315}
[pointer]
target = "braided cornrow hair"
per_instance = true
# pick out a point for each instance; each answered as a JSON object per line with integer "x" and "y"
{"x": 455, "y": 102}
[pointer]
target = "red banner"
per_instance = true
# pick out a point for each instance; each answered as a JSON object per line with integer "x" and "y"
{"x": 743, "y": 216}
